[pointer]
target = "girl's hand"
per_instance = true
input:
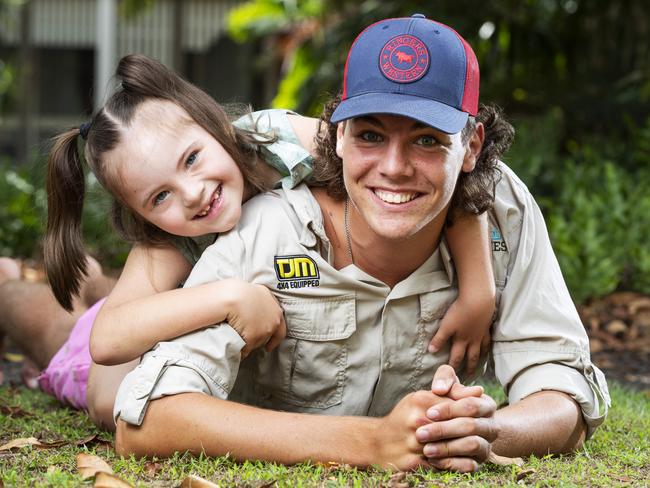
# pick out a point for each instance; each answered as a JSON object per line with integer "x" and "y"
{"x": 467, "y": 323}
{"x": 256, "y": 315}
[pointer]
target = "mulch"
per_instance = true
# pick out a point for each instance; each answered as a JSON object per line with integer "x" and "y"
{"x": 618, "y": 326}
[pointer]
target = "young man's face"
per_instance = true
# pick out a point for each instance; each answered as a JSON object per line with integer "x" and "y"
{"x": 400, "y": 174}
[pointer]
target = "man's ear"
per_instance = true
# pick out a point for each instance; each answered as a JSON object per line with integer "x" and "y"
{"x": 340, "y": 129}
{"x": 474, "y": 147}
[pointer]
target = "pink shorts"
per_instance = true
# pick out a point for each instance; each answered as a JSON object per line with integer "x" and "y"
{"x": 66, "y": 377}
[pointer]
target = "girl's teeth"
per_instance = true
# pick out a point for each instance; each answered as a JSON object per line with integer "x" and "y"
{"x": 390, "y": 197}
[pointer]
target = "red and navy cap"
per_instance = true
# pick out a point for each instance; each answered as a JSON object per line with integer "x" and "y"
{"x": 413, "y": 67}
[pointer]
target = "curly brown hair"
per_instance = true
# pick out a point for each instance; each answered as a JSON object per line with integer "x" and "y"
{"x": 474, "y": 192}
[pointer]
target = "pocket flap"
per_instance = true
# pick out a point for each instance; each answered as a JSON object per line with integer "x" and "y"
{"x": 320, "y": 319}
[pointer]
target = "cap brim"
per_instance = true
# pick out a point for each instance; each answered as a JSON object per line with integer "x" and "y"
{"x": 438, "y": 115}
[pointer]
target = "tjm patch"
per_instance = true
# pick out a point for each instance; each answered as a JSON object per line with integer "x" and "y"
{"x": 299, "y": 271}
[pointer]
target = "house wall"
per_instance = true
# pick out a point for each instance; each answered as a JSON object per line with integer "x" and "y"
{"x": 62, "y": 38}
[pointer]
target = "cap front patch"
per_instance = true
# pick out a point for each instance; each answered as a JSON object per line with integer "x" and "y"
{"x": 404, "y": 59}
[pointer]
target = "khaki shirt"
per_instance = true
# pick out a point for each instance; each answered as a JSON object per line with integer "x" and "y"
{"x": 356, "y": 347}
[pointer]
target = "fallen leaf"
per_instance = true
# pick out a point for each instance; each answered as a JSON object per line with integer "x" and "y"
{"x": 51, "y": 445}
{"x": 526, "y": 472}
{"x": 151, "y": 468}
{"x": 267, "y": 484}
{"x": 52, "y": 469}
{"x": 89, "y": 465}
{"x": 91, "y": 440}
{"x": 616, "y": 327}
{"x": 109, "y": 480}
{"x": 13, "y": 357}
{"x": 193, "y": 481}
{"x": 86, "y": 440}
{"x": 397, "y": 480}
{"x": 14, "y": 412}
{"x": 504, "y": 461}
{"x": 19, "y": 443}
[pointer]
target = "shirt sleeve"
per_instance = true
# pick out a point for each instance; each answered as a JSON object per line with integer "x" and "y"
{"x": 206, "y": 361}
{"x": 286, "y": 154}
{"x": 539, "y": 340}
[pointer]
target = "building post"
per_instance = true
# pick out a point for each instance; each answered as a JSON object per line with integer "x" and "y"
{"x": 28, "y": 88}
{"x": 105, "y": 49}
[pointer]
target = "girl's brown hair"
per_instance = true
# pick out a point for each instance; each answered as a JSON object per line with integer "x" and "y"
{"x": 141, "y": 79}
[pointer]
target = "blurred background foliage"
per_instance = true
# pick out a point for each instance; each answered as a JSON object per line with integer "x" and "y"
{"x": 572, "y": 75}
{"x": 574, "y": 78}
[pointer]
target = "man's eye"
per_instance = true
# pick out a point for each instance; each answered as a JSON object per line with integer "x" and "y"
{"x": 369, "y": 136}
{"x": 158, "y": 199}
{"x": 427, "y": 141}
{"x": 191, "y": 159}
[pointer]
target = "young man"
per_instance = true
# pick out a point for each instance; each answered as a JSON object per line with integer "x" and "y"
{"x": 364, "y": 277}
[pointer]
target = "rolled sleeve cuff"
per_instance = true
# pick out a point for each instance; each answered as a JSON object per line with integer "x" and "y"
{"x": 181, "y": 367}
{"x": 588, "y": 389}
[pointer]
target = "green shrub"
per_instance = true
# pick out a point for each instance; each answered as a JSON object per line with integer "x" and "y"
{"x": 587, "y": 222}
{"x": 23, "y": 214}
{"x": 22, "y": 211}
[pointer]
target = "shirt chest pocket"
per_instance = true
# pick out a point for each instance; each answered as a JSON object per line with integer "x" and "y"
{"x": 433, "y": 307}
{"x": 309, "y": 368}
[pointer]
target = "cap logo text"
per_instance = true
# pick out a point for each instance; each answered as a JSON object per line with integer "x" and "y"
{"x": 404, "y": 59}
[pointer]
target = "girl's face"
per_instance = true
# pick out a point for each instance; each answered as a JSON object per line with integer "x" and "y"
{"x": 175, "y": 174}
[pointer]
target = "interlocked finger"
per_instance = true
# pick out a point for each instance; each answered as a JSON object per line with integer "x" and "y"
{"x": 455, "y": 428}
{"x": 483, "y": 406}
{"x": 474, "y": 447}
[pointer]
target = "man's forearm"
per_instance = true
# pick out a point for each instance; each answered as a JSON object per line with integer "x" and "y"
{"x": 542, "y": 423}
{"x": 197, "y": 422}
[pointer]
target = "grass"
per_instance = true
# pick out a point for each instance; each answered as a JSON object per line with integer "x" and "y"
{"x": 617, "y": 455}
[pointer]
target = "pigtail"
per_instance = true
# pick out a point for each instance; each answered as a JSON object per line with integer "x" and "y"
{"x": 65, "y": 258}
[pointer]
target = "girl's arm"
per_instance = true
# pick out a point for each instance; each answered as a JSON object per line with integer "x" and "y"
{"x": 305, "y": 129}
{"x": 468, "y": 320}
{"x": 146, "y": 307}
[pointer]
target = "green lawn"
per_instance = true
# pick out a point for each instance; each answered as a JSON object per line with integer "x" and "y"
{"x": 618, "y": 455}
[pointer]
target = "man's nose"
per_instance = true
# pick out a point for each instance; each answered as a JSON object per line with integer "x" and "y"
{"x": 395, "y": 162}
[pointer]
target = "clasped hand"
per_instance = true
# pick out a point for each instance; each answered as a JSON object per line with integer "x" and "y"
{"x": 450, "y": 427}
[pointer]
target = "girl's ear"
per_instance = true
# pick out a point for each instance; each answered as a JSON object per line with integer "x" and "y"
{"x": 474, "y": 147}
{"x": 340, "y": 130}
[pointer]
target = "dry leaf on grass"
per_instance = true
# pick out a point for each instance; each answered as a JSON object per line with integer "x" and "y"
{"x": 21, "y": 442}
{"x": 151, "y": 468}
{"x": 92, "y": 440}
{"x": 267, "y": 484}
{"x": 193, "y": 481}
{"x": 13, "y": 411}
{"x": 397, "y": 480}
{"x": 13, "y": 357}
{"x": 523, "y": 474}
{"x": 51, "y": 445}
{"x": 504, "y": 461}
{"x": 89, "y": 465}
{"x": 108, "y": 480}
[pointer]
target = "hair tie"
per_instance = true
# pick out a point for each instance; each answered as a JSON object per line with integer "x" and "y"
{"x": 83, "y": 130}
